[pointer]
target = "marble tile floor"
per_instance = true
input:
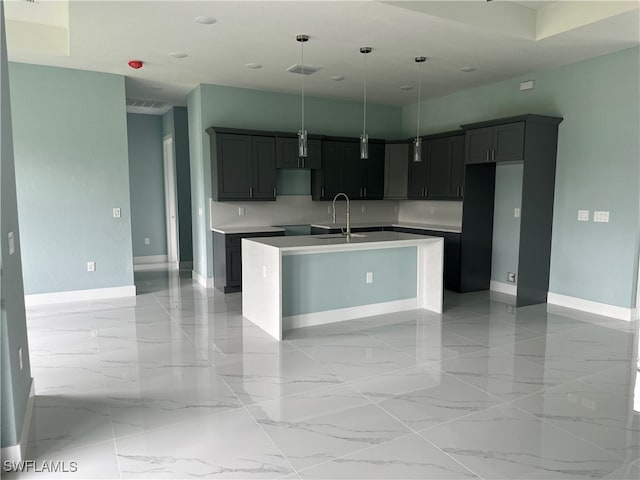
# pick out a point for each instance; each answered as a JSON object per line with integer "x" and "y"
{"x": 176, "y": 384}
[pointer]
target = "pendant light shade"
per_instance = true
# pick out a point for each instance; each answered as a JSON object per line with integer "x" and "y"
{"x": 302, "y": 133}
{"x": 417, "y": 143}
{"x": 364, "y": 138}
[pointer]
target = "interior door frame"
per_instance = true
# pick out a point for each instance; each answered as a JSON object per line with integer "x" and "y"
{"x": 171, "y": 201}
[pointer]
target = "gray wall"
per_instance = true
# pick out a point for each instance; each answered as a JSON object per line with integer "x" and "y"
{"x": 14, "y": 382}
{"x": 597, "y": 168}
{"x": 72, "y": 169}
{"x": 175, "y": 122}
{"x": 216, "y": 105}
{"x": 146, "y": 179}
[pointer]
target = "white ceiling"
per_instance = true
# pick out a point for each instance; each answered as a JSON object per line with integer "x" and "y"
{"x": 501, "y": 39}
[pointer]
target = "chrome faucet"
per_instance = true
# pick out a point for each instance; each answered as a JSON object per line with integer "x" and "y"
{"x": 348, "y": 234}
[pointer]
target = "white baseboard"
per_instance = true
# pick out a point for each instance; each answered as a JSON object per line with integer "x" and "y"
{"x": 349, "y": 313}
{"x": 16, "y": 453}
{"x": 202, "y": 281}
{"x": 508, "y": 288}
{"x": 150, "y": 259}
{"x": 621, "y": 313}
{"x": 79, "y": 295}
{"x": 186, "y": 265}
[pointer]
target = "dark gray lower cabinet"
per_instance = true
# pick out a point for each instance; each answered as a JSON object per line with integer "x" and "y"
{"x": 452, "y": 245}
{"x": 227, "y": 259}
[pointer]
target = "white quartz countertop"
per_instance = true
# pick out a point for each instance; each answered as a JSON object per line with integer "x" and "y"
{"x": 417, "y": 226}
{"x": 228, "y": 230}
{"x": 312, "y": 243}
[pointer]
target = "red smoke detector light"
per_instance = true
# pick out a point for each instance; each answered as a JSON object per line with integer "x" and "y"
{"x": 136, "y": 64}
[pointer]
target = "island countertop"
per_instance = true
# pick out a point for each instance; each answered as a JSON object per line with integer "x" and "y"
{"x": 338, "y": 242}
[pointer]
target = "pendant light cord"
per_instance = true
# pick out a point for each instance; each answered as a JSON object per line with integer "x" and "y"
{"x": 419, "y": 97}
{"x": 364, "y": 122}
{"x": 302, "y": 79}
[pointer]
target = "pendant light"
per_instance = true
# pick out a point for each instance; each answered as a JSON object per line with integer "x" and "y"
{"x": 417, "y": 143}
{"x": 364, "y": 138}
{"x": 302, "y": 133}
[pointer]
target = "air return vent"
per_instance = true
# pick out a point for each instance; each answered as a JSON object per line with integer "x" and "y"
{"x": 297, "y": 68}
{"x": 132, "y": 102}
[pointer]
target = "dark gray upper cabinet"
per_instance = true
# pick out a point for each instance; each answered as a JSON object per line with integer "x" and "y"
{"x": 440, "y": 174}
{"x": 243, "y": 166}
{"x": 499, "y": 143}
{"x": 344, "y": 171}
{"x": 396, "y": 170}
{"x": 287, "y": 153}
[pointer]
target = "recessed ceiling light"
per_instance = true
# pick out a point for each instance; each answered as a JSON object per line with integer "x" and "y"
{"x": 467, "y": 69}
{"x": 337, "y": 78}
{"x": 406, "y": 87}
{"x": 178, "y": 55}
{"x": 254, "y": 65}
{"x": 205, "y": 20}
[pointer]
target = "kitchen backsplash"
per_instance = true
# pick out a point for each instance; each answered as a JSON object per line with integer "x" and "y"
{"x": 298, "y": 209}
{"x": 431, "y": 212}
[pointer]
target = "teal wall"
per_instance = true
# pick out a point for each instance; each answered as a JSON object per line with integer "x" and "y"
{"x": 506, "y": 228}
{"x": 215, "y": 105}
{"x": 175, "y": 122}
{"x": 146, "y": 180}
{"x": 327, "y": 281}
{"x": 15, "y": 383}
{"x": 597, "y": 167}
{"x": 72, "y": 169}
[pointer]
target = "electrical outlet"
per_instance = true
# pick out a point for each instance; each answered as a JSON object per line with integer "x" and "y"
{"x": 528, "y": 85}
{"x": 363, "y": 209}
{"x": 91, "y": 266}
{"x": 601, "y": 217}
{"x": 329, "y": 209}
{"x": 369, "y": 277}
{"x": 516, "y": 212}
{"x": 12, "y": 244}
{"x": 116, "y": 212}
{"x": 241, "y": 211}
{"x": 583, "y": 215}
{"x": 199, "y": 211}
{"x": 147, "y": 241}
{"x": 20, "y": 361}
{"x": 511, "y": 277}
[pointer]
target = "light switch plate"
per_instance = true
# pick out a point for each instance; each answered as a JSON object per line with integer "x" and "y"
{"x": 516, "y": 212}
{"x": 91, "y": 266}
{"x": 583, "y": 215}
{"x": 116, "y": 212}
{"x": 147, "y": 241}
{"x": 600, "y": 217}
{"x": 369, "y": 277}
{"x": 12, "y": 244}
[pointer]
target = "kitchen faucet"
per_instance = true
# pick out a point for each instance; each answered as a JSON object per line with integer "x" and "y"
{"x": 348, "y": 234}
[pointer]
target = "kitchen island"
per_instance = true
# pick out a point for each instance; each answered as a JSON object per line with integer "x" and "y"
{"x": 299, "y": 281}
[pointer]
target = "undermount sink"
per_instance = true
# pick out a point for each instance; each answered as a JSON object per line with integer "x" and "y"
{"x": 339, "y": 235}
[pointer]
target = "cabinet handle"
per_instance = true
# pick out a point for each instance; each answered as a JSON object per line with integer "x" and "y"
{"x": 303, "y": 163}
{"x": 493, "y": 155}
{"x": 462, "y": 191}
{"x": 457, "y": 191}
{"x": 487, "y": 155}
{"x": 274, "y": 192}
{"x": 426, "y": 191}
{"x": 365, "y": 192}
{"x": 250, "y": 192}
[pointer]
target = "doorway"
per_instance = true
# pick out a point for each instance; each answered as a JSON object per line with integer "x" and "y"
{"x": 170, "y": 202}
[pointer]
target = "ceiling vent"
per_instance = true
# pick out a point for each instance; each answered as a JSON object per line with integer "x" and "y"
{"x": 132, "y": 102}
{"x": 297, "y": 68}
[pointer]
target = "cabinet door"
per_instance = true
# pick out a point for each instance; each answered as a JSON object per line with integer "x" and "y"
{"x": 234, "y": 166}
{"x": 508, "y": 142}
{"x": 234, "y": 267}
{"x": 314, "y": 154}
{"x": 417, "y": 178}
{"x": 331, "y": 169}
{"x": 438, "y": 168}
{"x": 352, "y": 182}
{"x": 395, "y": 170}
{"x": 287, "y": 152}
{"x": 457, "y": 166}
{"x": 479, "y": 143}
{"x": 264, "y": 168}
{"x": 373, "y": 168}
